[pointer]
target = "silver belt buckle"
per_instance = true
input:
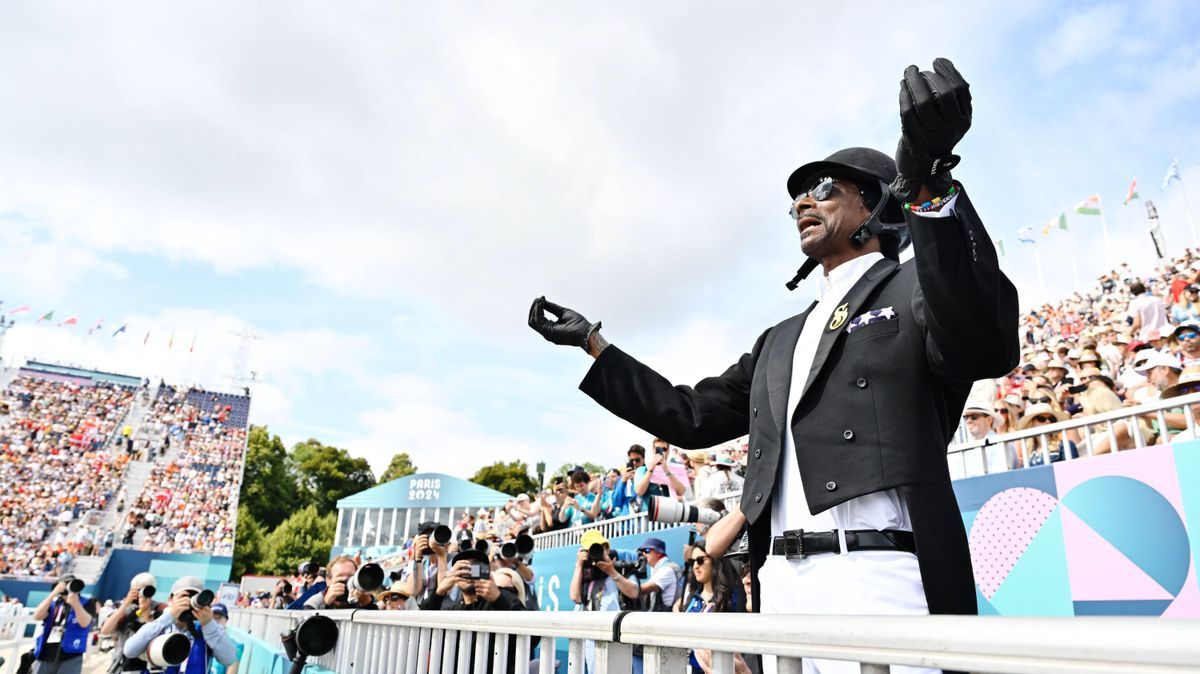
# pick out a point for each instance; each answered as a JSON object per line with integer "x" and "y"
{"x": 793, "y": 545}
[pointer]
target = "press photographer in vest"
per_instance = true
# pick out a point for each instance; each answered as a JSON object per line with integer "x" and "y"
{"x": 136, "y": 609}
{"x": 66, "y": 621}
{"x": 183, "y": 616}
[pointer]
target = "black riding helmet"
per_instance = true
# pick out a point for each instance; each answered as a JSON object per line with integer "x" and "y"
{"x": 872, "y": 171}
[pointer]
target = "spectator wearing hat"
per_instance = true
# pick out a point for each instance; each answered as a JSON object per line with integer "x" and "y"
{"x": 1188, "y": 337}
{"x": 699, "y": 471}
{"x": 1187, "y": 307}
{"x": 1036, "y": 449}
{"x": 221, "y": 615}
{"x": 978, "y": 418}
{"x": 1099, "y": 398}
{"x": 725, "y": 480}
{"x": 1009, "y": 410}
{"x": 1188, "y": 383}
{"x": 598, "y": 586}
{"x": 1056, "y": 372}
{"x": 208, "y": 637}
{"x": 391, "y": 599}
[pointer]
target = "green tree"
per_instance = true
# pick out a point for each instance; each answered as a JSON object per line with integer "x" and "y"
{"x": 249, "y": 546}
{"x": 325, "y": 474}
{"x": 305, "y": 535}
{"x": 590, "y": 467}
{"x": 400, "y": 466}
{"x": 511, "y": 478}
{"x": 268, "y": 488}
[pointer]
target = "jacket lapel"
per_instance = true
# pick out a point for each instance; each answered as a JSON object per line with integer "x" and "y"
{"x": 852, "y": 301}
{"x": 779, "y": 369}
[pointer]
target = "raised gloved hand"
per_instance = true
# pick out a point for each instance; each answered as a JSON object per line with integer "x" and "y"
{"x": 569, "y": 329}
{"x": 935, "y": 114}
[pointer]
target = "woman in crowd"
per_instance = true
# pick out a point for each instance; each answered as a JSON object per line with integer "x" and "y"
{"x": 713, "y": 586}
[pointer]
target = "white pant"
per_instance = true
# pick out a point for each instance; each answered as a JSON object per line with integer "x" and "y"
{"x": 868, "y": 582}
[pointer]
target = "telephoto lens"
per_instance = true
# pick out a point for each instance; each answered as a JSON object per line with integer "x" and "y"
{"x": 74, "y": 585}
{"x": 525, "y": 546}
{"x": 465, "y": 539}
{"x": 442, "y": 535}
{"x": 168, "y": 650}
{"x": 203, "y": 598}
{"x": 595, "y": 553}
{"x": 483, "y": 546}
{"x": 668, "y": 510}
{"x": 148, "y": 591}
{"x": 368, "y": 578}
{"x": 508, "y": 551}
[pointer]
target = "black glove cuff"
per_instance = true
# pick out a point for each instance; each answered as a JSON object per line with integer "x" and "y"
{"x": 907, "y": 190}
{"x": 587, "y": 337}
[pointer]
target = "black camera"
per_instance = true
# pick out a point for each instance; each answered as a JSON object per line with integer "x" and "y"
{"x": 521, "y": 548}
{"x": 74, "y": 585}
{"x": 199, "y": 600}
{"x": 1078, "y": 388}
{"x": 148, "y": 591}
{"x": 439, "y": 533}
{"x": 596, "y": 553}
{"x": 314, "y": 636}
{"x": 368, "y": 578}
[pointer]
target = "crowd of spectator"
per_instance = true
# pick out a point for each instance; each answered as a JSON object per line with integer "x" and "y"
{"x": 1129, "y": 340}
{"x": 55, "y": 467}
{"x": 189, "y": 503}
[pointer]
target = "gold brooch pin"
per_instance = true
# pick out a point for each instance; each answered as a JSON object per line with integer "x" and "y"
{"x": 839, "y": 316}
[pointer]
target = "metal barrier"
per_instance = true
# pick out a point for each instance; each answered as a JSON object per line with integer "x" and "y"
{"x": 14, "y": 624}
{"x": 627, "y": 525}
{"x": 1084, "y": 429}
{"x": 440, "y": 642}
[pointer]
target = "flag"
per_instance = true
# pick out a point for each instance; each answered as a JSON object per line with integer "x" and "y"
{"x": 1025, "y": 235}
{"x": 120, "y": 329}
{"x": 1061, "y": 221}
{"x": 97, "y": 327}
{"x": 999, "y": 246}
{"x": 146, "y": 340}
{"x": 1089, "y": 206}
{"x": 49, "y": 316}
{"x": 1132, "y": 194}
{"x": 70, "y": 321}
{"x": 20, "y": 310}
{"x": 193, "y": 346}
{"x": 1172, "y": 173}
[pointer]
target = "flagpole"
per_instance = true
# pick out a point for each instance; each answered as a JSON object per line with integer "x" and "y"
{"x": 1037, "y": 258}
{"x": 1186, "y": 207}
{"x": 1104, "y": 227}
{"x": 1074, "y": 264}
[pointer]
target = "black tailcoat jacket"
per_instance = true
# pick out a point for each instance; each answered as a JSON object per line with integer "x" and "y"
{"x": 880, "y": 405}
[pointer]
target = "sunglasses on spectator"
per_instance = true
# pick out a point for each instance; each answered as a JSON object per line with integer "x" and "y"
{"x": 1191, "y": 388}
{"x": 1044, "y": 419}
{"x": 701, "y": 559}
{"x": 1187, "y": 335}
{"x": 1045, "y": 399}
{"x": 1003, "y": 410}
{"x": 973, "y": 416}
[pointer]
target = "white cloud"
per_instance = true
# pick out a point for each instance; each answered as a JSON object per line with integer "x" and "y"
{"x": 1085, "y": 34}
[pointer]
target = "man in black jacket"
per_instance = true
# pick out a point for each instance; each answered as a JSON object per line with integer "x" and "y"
{"x": 851, "y": 403}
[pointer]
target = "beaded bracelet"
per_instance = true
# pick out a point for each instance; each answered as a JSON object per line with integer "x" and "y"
{"x": 932, "y": 204}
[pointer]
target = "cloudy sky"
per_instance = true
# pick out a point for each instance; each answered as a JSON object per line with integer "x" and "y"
{"x": 375, "y": 192}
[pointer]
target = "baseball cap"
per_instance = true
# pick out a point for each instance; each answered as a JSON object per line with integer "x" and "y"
{"x": 1149, "y": 359}
{"x": 143, "y": 579}
{"x": 220, "y": 609}
{"x": 655, "y": 544}
{"x": 187, "y": 583}
{"x": 590, "y": 537}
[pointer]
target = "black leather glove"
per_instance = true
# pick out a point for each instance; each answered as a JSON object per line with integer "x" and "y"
{"x": 569, "y": 329}
{"x": 935, "y": 113}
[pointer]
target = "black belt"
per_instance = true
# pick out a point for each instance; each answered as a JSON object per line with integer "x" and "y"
{"x": 799, "y": 543}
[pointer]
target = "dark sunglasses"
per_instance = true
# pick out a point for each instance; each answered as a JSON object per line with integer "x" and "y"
{"x": 1045, "y": 419}
{"x": 1046, "y": 400}
{"x": 701, "y": 559}
{"x": 972, "y": 416}
{"x": 820, "y": 190}
{"x": 1188, "y": 335}
{"x": 1184, "y": 390}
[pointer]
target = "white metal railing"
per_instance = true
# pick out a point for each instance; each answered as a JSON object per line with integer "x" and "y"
{"x": 14, "y": 624}
{"x": 626, "y": 525}
{"x": 463, "y": 641}
{"x": 1041, "y": 438}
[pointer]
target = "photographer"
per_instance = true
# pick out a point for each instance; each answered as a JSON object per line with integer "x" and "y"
{"x": 508, "y": 557}
{"x": 338, "y": 594}
{"x": 208, "y": 637}
{"x": 657, "y": 460}
{"x": 281, "y": 596}
{"x": 136, "y": 609}
{"x": 429, "y": 559}
{"x": 66, "y": 620}
{"x": 598, "y": 584}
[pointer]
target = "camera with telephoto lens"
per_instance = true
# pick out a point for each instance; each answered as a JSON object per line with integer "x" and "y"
{"x": 667, "y": 510}
{"x": 315, "y": 636}
{"x": 596, "y": 553}
{"x": 199, "y": 600}
{"x": 521, "y": 548}
{"x": 148, "y": 591}
{"x": 438, "y": 533}
{"x": 167, "y": 650}
{"x": 368, "y": 578}
{"x": 74, "y": 585}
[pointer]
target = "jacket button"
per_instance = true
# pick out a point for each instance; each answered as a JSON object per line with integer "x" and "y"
{"x": 861, "y": 383}
{"x": 830, "y": 485}
{"x": 754, "y": 412}
{"x": 758, "y": 497}
{"x": 848, "y": 434}
{"x": 758, "y": 452}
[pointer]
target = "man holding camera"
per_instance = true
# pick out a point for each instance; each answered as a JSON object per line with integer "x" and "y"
{"x": 597, "y": 584}
{"x": 136, "y": 609}
{"x": 339, "y": 593}
{"x": 194, "y": 620}
{"x": 66, "y": 621}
